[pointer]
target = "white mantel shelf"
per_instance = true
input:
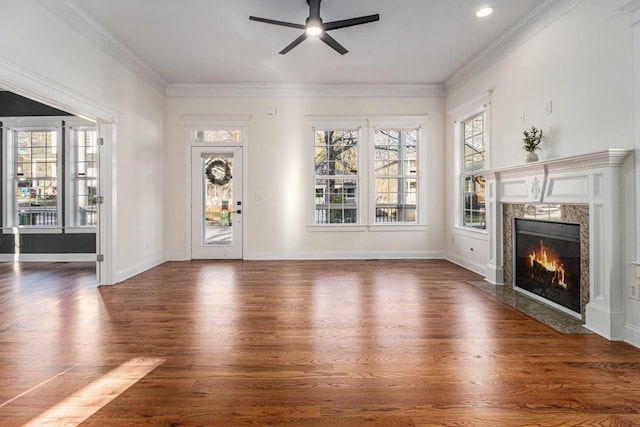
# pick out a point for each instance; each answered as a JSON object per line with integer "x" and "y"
{"x": 610, "y": 157}
{"x": 593, "y": 179}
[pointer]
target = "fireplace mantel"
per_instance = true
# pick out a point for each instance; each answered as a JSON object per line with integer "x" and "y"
{"x": 556, "y": 180}
{"x": 592, "y": 179}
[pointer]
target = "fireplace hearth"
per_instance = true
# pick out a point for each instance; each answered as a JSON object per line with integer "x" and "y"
{"x": 547, "y": 262}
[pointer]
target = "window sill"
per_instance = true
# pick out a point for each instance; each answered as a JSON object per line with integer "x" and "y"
{"x": 81, "y": 230}
{"x": 471, "y": 232}
{"x": 372, "y": 227}
{"x": 32, "y": 230}
{"x": 397, "y": 227}
{"x": 336, "y": 227}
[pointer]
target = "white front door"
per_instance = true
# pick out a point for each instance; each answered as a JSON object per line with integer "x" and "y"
{"x": 216, "y": 203}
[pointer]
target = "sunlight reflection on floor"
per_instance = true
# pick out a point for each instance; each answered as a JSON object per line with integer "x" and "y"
{"x": 87, "y": 401}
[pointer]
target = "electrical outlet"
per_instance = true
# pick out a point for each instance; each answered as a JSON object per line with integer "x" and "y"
{"x": 634, "y": 292}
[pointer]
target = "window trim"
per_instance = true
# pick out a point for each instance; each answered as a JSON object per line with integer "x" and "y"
{"x": 10, "y": 127}
{"x": 337, "y": 124}
{"x": 419, "y": 124}
{"x": 466, "y": 177}
{"x": 366, "y": 170}
{"x": 64, "y": 158}
{"x": 72, "y": 124}
{"x": 459, "y": 115}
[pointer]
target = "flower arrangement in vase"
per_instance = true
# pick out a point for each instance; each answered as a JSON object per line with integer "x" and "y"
{"x": 531, "y": 143}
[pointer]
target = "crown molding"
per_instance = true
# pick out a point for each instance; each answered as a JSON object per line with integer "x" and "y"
{"x": 471, "y": 105}
{"x": 541, "y": 17}
{"x": 39, "y": 88}
{"x": 631, "y": 7}
{"x": 95, "y": 33}
{"x": 292, "y": 90}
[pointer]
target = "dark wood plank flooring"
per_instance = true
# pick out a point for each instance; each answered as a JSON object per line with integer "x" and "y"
{"x": 307, "y": 343}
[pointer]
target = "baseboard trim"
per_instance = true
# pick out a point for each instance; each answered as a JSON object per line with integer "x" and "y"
{"x": 465, "y": 263}
{"x": 632, "y": 335}
{"x": 134, "y": 270}
{"x": 47, "y": 257}
{"x": 178, "y": 256}
{"x": 334, "y": 255}
{"x": 602, "y": 321}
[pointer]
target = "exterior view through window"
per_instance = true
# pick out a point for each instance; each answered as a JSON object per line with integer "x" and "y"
{"x": 396, "y": 167}
{"x": 336, "y": 176}
{"x": 474, "y": 135}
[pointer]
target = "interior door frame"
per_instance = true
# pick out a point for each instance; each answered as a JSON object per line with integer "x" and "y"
{"x": 215, "y": 121}
{"x": 34, "y": 86}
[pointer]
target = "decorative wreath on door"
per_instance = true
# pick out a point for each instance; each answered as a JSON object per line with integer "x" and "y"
{"x": 218, "y": 172}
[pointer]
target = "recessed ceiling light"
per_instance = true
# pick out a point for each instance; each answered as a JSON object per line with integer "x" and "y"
{"x": 485, "y": 11}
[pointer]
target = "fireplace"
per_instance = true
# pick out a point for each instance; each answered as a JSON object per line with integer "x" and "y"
{"x": 547, "y": 262}
{"x": 588, "y": 190}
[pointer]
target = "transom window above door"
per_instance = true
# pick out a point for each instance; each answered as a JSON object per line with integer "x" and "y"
{"x": 217, "y": 136}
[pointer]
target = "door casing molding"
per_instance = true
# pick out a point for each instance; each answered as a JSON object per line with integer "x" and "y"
{"x": 39, "y": 88}
{"x": 214, "y": 121}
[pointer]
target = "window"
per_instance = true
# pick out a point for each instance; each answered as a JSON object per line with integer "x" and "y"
{"x": 218, "y": 136}
{"x": 367, "y": 172}
{"x": 336, "y": 176}
{"x": 51, "y": 175}
{"x": 474, "y": 141}
{"x": 35, "y": 177}
{"x": 396, "y": 170}
{"x": 84, "y": 177}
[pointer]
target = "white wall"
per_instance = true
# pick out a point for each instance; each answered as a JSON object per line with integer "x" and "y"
{"x": 278, "y": 167}
{"x": 49, "y": 53}
{"x": 583, "y": 64}
{"x": 633, "y": 306}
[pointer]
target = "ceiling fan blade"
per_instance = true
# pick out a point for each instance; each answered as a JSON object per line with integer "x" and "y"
{"x": 314, "y": 10}
{"x": 294, "y": 43}
{"x": 350, "y": 22}
{"x": 274, "y": 22}
{"x": 333, "y": 43}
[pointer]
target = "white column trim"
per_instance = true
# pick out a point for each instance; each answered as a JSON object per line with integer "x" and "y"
{"x": 632, "y": 331}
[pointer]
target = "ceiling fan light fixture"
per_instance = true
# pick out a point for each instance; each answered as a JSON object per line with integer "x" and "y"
{"x": 314, "y": 30}
{"x": 314, "y": 27}
{"x": 484, "y": 12}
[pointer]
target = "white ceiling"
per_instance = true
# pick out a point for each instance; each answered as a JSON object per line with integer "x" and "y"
{"x": 213, "y": 41}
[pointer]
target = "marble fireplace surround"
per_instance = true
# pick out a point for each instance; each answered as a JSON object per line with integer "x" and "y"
{"x": 593, "y": 180}
{"x": 565, "y": 213}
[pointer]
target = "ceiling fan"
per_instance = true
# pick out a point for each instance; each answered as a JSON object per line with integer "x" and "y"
{"x": 315, "y": 27}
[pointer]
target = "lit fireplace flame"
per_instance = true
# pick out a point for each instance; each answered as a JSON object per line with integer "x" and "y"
{"x": 545, "y": 261}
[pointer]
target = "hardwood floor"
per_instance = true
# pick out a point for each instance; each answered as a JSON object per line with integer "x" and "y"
{"x": 335, "y": 343}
